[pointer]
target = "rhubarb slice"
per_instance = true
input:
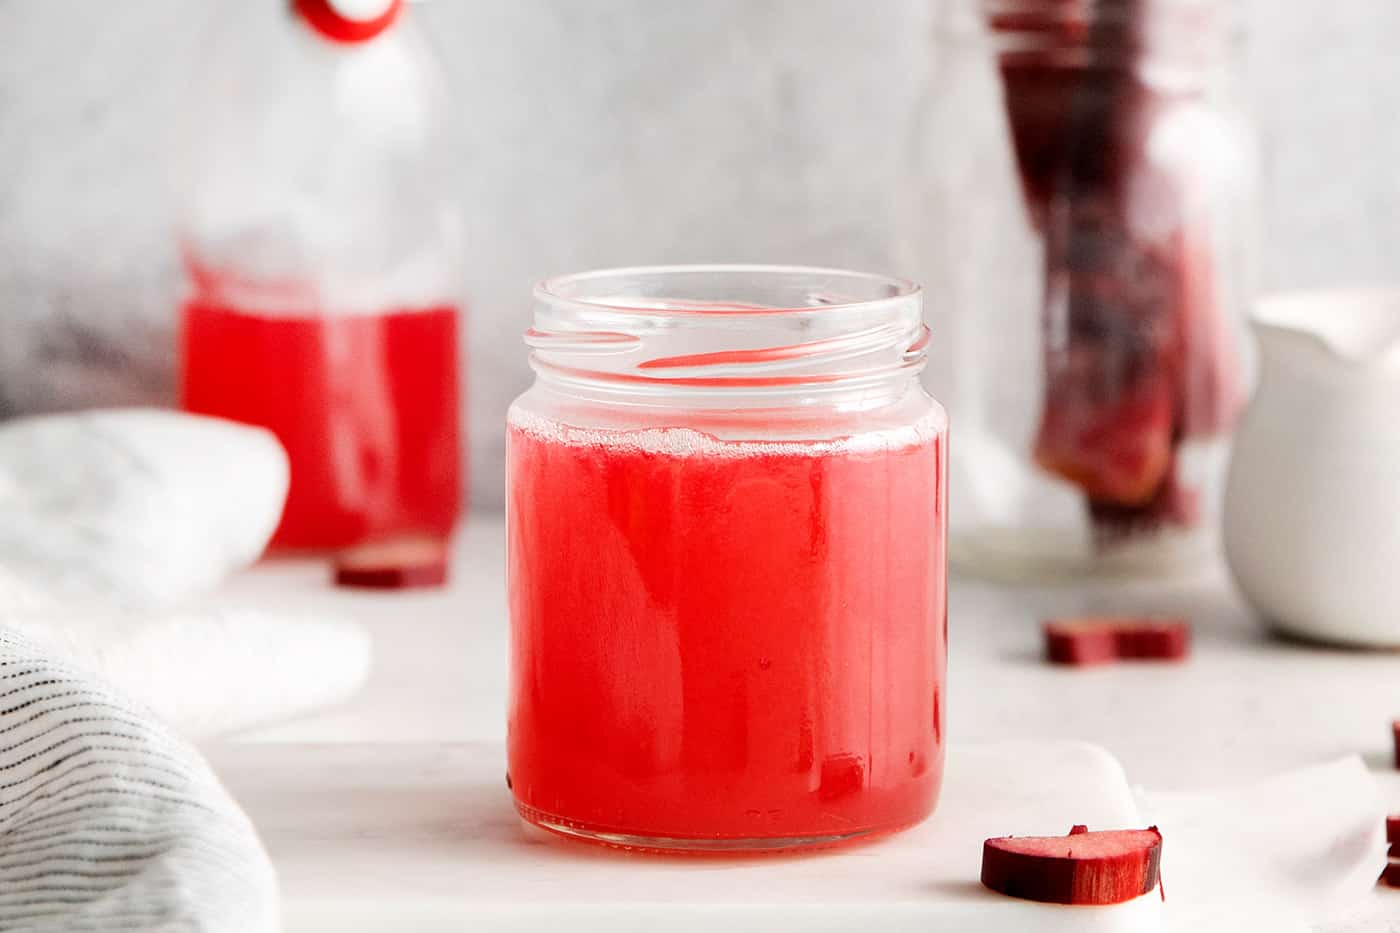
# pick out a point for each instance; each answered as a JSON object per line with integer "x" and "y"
{"x": 1392, "y": 828}
{"x": 1395, "y": 732}
{"x": 1084, "y": 868}
{"x": 1100, "y": 640}
{"x": 1390, "y": 876}
{"x": 401, "y": 563}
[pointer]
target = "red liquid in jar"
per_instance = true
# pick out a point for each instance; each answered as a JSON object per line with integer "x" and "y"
{"x": 365, "y": 404}
{"x": 726, "y": 640}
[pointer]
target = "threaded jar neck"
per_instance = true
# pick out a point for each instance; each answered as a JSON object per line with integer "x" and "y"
{"x": 737, "y": 336}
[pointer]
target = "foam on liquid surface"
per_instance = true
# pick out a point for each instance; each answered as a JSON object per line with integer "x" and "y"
{"x": 690, "y": 442}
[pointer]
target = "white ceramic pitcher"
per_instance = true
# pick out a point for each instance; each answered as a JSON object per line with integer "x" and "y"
{"x": 1312, "y": 514}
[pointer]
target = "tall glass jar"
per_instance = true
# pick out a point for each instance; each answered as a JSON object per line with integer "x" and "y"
{"x": 1092, "y": 223}
{"x": 726, "y": 514}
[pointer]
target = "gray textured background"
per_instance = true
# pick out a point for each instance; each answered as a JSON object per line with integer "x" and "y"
{"x": 604, "y": 132}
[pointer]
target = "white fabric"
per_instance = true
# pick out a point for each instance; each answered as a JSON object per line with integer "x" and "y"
{"x": 1283, "y": 855}
{"x": 17, "y": 594}
{"x": 133, "y": 506}
{"x": 213, "y": 671}
{"x": 110, "y": 518}
{"x": 107, "y": 821}
{"x": 109, "y": 521}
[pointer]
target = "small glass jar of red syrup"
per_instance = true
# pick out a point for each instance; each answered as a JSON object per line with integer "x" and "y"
{"x": 319, "y": 234}
{"x": 726, "y": 508}
{"x": 1091, "y": 227}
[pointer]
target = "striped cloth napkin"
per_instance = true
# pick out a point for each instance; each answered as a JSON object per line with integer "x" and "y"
{"x": 108, "y": 822}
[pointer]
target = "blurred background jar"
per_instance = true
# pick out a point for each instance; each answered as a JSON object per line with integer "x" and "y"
{"x": 1091, "y": 251}
{"x": 320, "y": 242}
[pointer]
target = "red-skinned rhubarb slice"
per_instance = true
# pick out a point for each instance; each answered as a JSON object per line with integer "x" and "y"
{"x": 1391, "y": 875}
{"x": 1084, "y": 868}
{"x": 1100, "y": 640}
{"x": 1395, "y": 733}
{"x": 391, "y": 565}
{"x": 1392, "y": 828}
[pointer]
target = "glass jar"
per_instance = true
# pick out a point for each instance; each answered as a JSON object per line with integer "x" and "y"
{"x": 1093, "y": 246}
{"x": 726, "y": 508}
{"x": 320, "y": 240}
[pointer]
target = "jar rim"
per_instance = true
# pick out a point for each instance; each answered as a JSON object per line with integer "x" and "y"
{"x": 554, "y": 290}
{"x": 714, "y": 329}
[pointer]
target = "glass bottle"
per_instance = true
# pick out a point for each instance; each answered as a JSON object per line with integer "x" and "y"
{"x": 1093, "y": 234}
{"x": 320, "y": 240}
{"x": 726, "y": 508}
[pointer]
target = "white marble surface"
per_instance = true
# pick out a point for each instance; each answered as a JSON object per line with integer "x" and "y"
{"x": 423, "y": 838}
{"x": 1244, "y": 707}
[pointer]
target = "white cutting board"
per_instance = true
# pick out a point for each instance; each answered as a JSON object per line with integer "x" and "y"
{"x": 424, "y": 838}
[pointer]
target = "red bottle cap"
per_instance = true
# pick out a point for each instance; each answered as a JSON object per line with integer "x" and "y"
{"x": 349, "y": 20}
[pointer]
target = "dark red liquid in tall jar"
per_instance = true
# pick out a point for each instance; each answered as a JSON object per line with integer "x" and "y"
{"x": 365, "y": 404}
{"x": 718, "y": 640}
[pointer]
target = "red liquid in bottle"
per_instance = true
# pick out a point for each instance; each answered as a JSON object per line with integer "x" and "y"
{"x": 726, "y": 640}
{"x": 365, "y": 404}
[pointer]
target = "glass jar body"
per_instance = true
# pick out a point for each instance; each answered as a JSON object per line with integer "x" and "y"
{"x": 728, "y": 617}
{"x": 1098, "y": 281}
